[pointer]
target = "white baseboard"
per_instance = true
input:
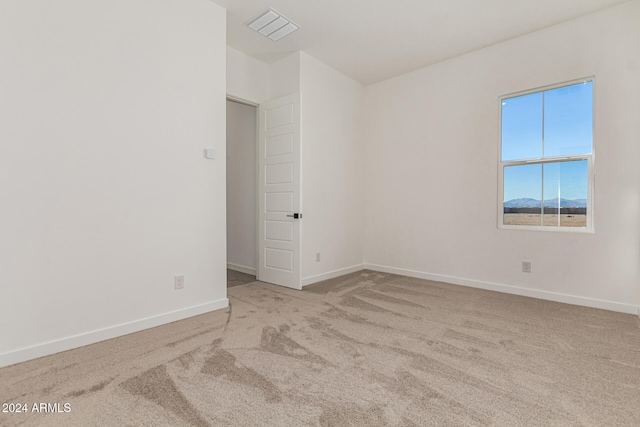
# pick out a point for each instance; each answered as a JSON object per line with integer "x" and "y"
{"x": 332, "y": 274}
{"x": 75, "y": 341}
{"x": 241, "y": 268}
{"x": 515, "y": 290}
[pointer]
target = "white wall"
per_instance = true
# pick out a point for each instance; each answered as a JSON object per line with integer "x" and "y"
{"x": 332, "y": 171}
{"x": 332, "y": 161}
{"x": 431, "y": 139}
{"x": 106, "y": 107}
{"x": 284, "y": 76}
{"x": 247, "y": 78}
{"x": 332, "y": 168}
{"x": 241, "y": 187}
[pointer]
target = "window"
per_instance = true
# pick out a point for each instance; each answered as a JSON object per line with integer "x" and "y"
{"x": 546, "y": 158}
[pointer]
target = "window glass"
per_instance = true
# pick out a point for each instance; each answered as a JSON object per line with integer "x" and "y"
{"x": 523, "y": 194}
{"x": 522, "y": 127}
{"x": 568, "y": 120}
{"x": 565, "y": 194}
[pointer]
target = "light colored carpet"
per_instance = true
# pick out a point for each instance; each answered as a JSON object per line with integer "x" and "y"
{"x": 367, "y": 349}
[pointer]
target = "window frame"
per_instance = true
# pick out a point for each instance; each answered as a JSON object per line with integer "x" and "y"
{"x": 590, "y": 158}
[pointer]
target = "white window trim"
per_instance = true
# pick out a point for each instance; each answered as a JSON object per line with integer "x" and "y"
{"x": 543, "y": 160}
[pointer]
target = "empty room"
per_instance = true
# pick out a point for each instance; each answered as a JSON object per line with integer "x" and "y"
{"x": 292, "y": 213}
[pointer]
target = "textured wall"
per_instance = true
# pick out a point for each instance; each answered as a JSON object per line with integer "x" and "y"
{"x": 432, "y": 150}
{"x": 106, "y": 107}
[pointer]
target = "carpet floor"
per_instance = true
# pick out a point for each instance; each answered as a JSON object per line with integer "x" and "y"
{"x": 366, "y": 349}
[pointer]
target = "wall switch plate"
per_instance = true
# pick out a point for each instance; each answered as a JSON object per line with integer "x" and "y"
{"x": 526, "y": 266}
{"x": 178, "y": 282}
{"x": 209, "y": 153}
{"x": 317, "y": 256}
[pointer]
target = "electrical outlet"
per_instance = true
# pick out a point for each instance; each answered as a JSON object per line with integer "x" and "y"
{"x": 317, "y": 256}
{"x": 178, "y": 282}
{"x": 526, "y": 266}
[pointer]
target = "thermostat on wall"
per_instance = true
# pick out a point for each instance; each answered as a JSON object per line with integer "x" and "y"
{"x": 210, "y": 153}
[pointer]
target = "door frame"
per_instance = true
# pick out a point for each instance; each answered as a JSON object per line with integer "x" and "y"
{"x": 258, "y": 106}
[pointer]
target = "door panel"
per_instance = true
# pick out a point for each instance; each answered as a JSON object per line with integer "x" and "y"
{"x": 279, "y": 202}
{"x": 278, "y": 145}
{"x": 279, "y": 230}
{"x": 279, "y": 259}
{"x": 280, "y": 115}
{"x": 279, "y": 174}
{"x": 279, "y": 192}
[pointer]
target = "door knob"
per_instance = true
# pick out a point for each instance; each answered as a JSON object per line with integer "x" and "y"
{"x": 295, "y": 216}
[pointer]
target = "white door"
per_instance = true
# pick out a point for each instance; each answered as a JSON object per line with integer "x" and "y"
{"x": 279, "y": 213}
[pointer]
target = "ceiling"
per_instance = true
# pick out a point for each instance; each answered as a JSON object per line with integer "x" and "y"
{"x": 373, "y": 40}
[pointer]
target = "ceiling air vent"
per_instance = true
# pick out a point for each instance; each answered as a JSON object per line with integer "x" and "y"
{"x": 273, "y": 25}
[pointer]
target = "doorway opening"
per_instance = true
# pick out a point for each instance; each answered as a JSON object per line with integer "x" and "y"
{"x": 263, "y": 190}
{"x": 242, "y": 208}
